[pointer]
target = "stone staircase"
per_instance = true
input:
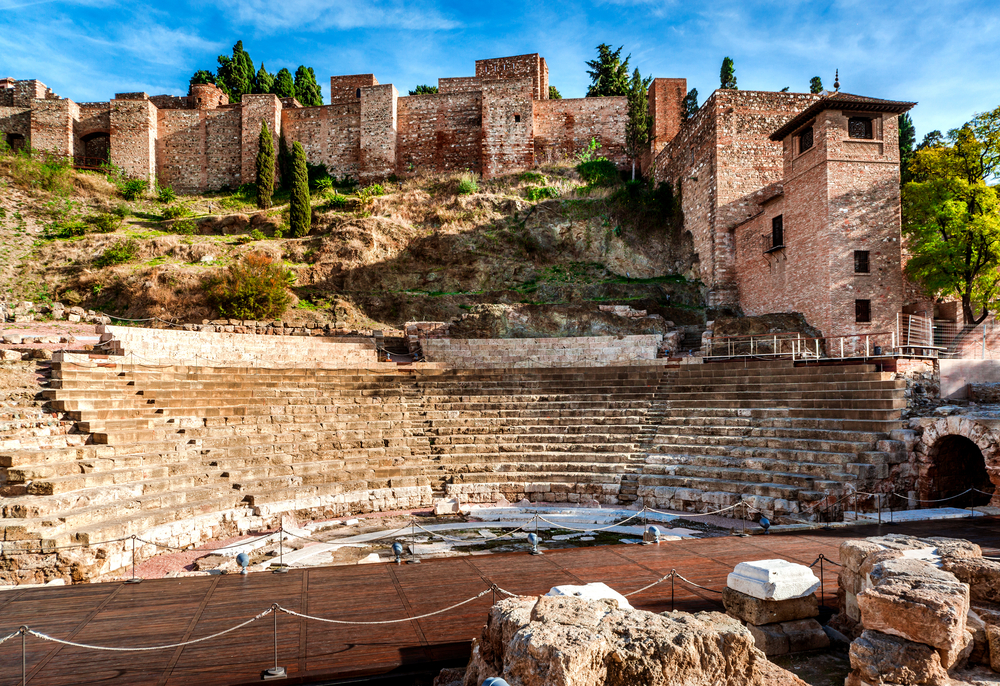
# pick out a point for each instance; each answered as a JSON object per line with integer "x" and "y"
{"x": 787, "y": 439}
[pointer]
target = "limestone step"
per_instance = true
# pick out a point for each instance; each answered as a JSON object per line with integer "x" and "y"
{"x": 742, "y": 474}
{"x": 665, "y": 442}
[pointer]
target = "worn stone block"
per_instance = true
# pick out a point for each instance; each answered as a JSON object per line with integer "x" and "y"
{"x": 759, "y": 611}
{"x": 773, "y": 579}
{"x": 880, "y": 658}
{"x": 789, "y": 637}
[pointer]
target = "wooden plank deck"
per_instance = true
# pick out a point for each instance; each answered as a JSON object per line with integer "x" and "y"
{"x": 162, "y": 611}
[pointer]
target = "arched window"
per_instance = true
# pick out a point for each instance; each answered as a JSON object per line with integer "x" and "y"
{"x": 357, "y": 93}
{"x": 806, "y": 139}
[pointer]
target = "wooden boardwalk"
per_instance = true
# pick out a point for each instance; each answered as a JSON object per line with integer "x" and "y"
{"x": 164, "y": 611}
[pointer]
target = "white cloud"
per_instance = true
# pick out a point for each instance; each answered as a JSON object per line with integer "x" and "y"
{"x": 318, "y": 15}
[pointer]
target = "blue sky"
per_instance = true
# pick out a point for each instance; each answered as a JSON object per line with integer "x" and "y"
{"x": 942, "y": 54}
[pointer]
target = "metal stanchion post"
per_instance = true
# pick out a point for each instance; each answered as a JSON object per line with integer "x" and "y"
{"x": 275, "y": 672}
{"x": 878, "y": 503}
{"x": 822, "y": 591}
{"x": 134, "y": 579}
{"x": 413, "y": 543}
{"x": 24, "y": 671}
{"x": 673, "y": 573}
{"x": 281, "y": 569}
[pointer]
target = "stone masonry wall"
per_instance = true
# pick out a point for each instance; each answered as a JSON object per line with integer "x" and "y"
{"x": 563, "y": 128}
{"x": 134, "y": 134}
{"x": 331, "y": 135}
{"x": 517, "y": 68}
{"x": 256, "y": 110}
{"x": 540, "y": 352}
{"x": 378, "y": 131}
{"x": 198, "y": 149}
{"x": 344, "y": 89}
{"x": 666, "y": 106}
{"x": 52, "y": 125}
{"x": 439, "y": 133}
{"x": 507, "y": 128}
{"x": 459, "y": 84}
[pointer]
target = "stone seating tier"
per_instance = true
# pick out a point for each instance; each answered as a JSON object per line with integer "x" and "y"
{"x": 230, "y": 449}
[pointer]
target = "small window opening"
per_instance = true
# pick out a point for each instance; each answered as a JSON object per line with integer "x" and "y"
{"x": 806, "y": 139}
{"x": 517, "y": 117}
{"x": 778, "y": 232}
{"x": 859, "y": 127}
{"x": 862, "y": 311}
{"x": 861, "y": 262}
{"x": 357, "y": 93}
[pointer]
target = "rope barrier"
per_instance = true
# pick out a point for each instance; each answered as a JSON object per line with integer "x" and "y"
{"x": 603, "y": 528}
{"x": 824, "y": 558}
{"x": 704, "y": 514}
{"x": 939, "y": 500}
{"x": 688, "y": 581}
{"x": 455, "y": 538}
{"x": 385, "y": 621}
{"x": 644, "y": 588}
{"x": 46, "y": 637}
{"x": 10, "y": 636}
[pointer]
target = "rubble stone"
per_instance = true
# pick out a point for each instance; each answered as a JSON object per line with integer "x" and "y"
{"x": 758, "y": 611}
{"x": 789, "y": 637}
{"x": 879, "y": 658}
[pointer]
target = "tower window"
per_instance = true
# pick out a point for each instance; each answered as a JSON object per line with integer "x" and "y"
{"x": 859, "y": 127}
{"x": 357, "y": 93}
{"x": 517, "y": 117}
{"x": 861, "y": 262}
{"x": 862, "y": 311}
{"x": 777, "y": 232}
{"x": 806, "y": 139}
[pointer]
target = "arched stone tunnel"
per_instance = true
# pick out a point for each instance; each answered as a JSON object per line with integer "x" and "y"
{"x": 955, "y": 454}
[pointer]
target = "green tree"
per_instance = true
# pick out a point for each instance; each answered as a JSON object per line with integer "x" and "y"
{"x": 307, "y": 91}
{"x": 785, "y": 89}
{"x": 907, "y": 143}
{"x": 931, "y": 140}
{"x": 265, "y": 167}
{"x": 951, "y": 217}
{"x": 608, "y": 74}
{"x": 691, "y": 103}
{"x": 816, "y": 85}
{"x": 236, "y": 74}
{"x": 284, "y": 84}
{"x": 203, "y": 76}
{"x": 424, "y": 89}
{"x": 300, "y": 209}
{"x": 637, "y": 126}
{"x": 554, "y": 93}
{"x": 264, "y": 81}
{"x": 284, "y": 162}
{"x": 727, "y": 76}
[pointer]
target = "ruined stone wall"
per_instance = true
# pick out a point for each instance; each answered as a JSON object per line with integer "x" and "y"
{"x": 199, "y": 149}
{"x": 439, "y": 133}
{"x": 331, "y": 135}
{"x": 134, "y": 134}
{"x": 563, "y": 128}
{"x": 94, "y": 118}
{"x": 15, "y": 121}
{"x": 507, "y": 126}
{"x": 171, "y": 102}
{"x": 256, "y": 110}
{"x": 378, "y": 131}
{"x": 516, "y": 68}
{"x": 6, "y": 97}
{"x": 472, "y": 353}
{"x": 666, "y": 109}
{"x": 344, "y": 89}
{"x": 52, "y": 125}
{"x": 459, "y": 84}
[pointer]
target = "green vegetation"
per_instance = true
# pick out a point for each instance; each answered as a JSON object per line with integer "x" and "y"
{"x": 69, "y": 228}
{"x": 254, "y": 288}
{"x": 122, "y": 251}
{"x": 424, "y": 89}
{"x": 186, "y": 227}
{"x": 133, "y": 189}
{"x": 105, "y": 222}
{"x": 727, "y": 75}
{"x": 907, "y": 141}
{"x": 815, "y": 85}
{"x": 334, "y": 201}
{"x": 951, "y": 216}
{"x": 300, "y": 210}
{"x": 608, "y": 73}
{"x": 265, "y": 167}
{"x": 29, "y": 169}
{"x": 637, "y": 127}
{"x": 536, "y": 193}
{"x": 236, "y": 77}
{"x": 174, "y": 212}
{"x": 533, "y": 177}
{"x": 467, "y": 185}
{"x": 165, "y": 194}
{"x": 554, "y": 94}
{"x": 368, "y": 193}
{"x": 598, "y": 172}
{"x": 691, "y": 103}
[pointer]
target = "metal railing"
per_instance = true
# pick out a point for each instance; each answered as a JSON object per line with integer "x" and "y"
{"x": 957, "y": 340}
{"x": 795, "y": 346}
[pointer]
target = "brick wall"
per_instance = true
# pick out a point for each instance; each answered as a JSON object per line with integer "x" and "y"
{"x": 134, "y": 134}
{"x": 206, "y": 96}
{"x": 540, "y": 352}
{"x": 344, "y": 89}
{"x": 52, "y": 125}
{"x": 439, "y": 133}
{"x": 378, "y": 132}
{"x": 257, "y": 109}
{"x": 507, "y": 126}
{"x": 330, "y": 135}
{"x": 516, "y": 68}
{"x": 563, "y": 128}
{"x": 198, "y": 149}
{"x": 459, "y": 84}
{"x": 666, "y": 108}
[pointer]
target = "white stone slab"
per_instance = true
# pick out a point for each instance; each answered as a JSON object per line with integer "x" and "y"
{"x": 773, "y": 579}
{"x": 594, "y": 591}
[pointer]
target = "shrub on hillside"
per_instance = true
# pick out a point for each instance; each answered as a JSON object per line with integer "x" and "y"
{"x": 533, "y": 177}
{"x": 70, "y": 228}
{"x": 254, "y": 288}
{"x": 599, "y": 172}
{"x": 541, "y": 193}
{"x": 37, "y": 170}
{"x": 335, "y": 201}
{"x": 467, "y": 185}
{"x": 174, "y": 212}
{"x": 165, "y": 194}
{"x": 133, "y": 189}
{"x": 187, "y": 227}
{"x": 122, "y": 251}
{"x": 324, "y": 184}
{"x": 367, "y": 193}
{"x": 105, "y": 222}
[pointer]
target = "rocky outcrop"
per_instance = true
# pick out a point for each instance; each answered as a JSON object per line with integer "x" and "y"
{"x": 570, "y": 641}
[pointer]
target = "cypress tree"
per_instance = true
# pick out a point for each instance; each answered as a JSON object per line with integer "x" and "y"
{"x": 307, "y": 91}
{"x": 637, "y": 126}
{"x": 300, "y": 210}
{"x": 815, "y": 85}
{"x": 284, "y": 86}
{"x": 265, "y": 167}
{"x": 691, "y": 103}
{"x": 284, "y": 162}
{"x": 907, "y": 142}
{"x": 608, "y": 73}
{"x": 264, "y": 81}
{"x": 727, "y": 76}
{"x": 236, "y": 74}
{"x": 554, "y": 93}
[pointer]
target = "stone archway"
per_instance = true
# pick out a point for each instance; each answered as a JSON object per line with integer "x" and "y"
{"x": 957, "y": 453}
{"x": 96, "y": 148}
{"x": 15, "y": 141}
